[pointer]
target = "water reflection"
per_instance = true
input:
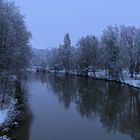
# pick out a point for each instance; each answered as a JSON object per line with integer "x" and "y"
{"x": 22, "y": 132}
{"x": 118, "y": 106}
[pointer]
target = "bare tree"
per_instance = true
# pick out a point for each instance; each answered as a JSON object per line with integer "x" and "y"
{"x": 127, "y": 41}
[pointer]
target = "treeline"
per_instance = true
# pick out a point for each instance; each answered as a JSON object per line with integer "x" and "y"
{"x": 118, "y": 49}
{"x": 14, "y": 50}
{"x": 14, "y": 40}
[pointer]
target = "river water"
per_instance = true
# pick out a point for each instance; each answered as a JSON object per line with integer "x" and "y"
{"x": 77, "y": 108}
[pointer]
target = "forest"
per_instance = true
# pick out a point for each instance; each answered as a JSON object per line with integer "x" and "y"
{"x": 116, "y": 51}
{"x": 15, "y": 50}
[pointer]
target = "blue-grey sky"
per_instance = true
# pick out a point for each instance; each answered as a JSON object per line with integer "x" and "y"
{"x": 50, "y": 20}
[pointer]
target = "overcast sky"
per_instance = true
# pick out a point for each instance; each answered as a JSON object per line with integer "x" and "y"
{"x": 50, "y": 20}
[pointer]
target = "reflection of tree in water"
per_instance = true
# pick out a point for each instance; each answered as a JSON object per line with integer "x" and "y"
{"x": 87, "y": 100}
{"x": 130, "y": 120}
{"x": 120, "y": 110}
{"x": 22, "y": 132}
{"x": 65, "y": 88}
{"x": 117, "y": 105}
{"x": 112, "y": 106}
{"x": 40, "y": 76}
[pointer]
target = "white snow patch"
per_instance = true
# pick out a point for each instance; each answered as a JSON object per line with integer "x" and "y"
{"x": 3, "y": 115}
{"x": 4, "y": 138}
{"x": 101, "y": 74}
{"x": 135, "y": 83}
{"x": 126, "y": 76}
{"x": 5, "y": 111}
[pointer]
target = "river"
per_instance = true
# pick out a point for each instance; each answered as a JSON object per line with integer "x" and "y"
{"x": 76, "y": 108}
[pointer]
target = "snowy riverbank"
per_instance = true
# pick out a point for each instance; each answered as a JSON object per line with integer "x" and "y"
{"x": 100, "y": 74}
{"x": 6, "y": 115}
{"x": 6, "y": 112}
{"x": 135, "y": 82}
{"x": 9, "y": 113}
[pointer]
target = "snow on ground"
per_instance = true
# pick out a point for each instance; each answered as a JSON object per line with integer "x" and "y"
{"x": 4, "y": 138}
{"x": 132, "y": 82}
{"x": 5, "y": 111}
{"x": 3, "y": 118}
{"x": 102, "y": 75}
{"x": 3, "y": 115}
{"x": 126, "y": 76}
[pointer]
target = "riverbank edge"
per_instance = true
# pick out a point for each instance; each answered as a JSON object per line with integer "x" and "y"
{"x": 13, "y": 118}
{"x": 11, "y": 115}
{"x": 130, "y": 82}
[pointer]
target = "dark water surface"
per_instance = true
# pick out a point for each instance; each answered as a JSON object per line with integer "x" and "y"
{"x": 71, "y": 108}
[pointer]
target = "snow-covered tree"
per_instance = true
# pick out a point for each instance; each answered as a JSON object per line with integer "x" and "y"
{"x": 137, "y": 47}
{"x": 14, "y": 39}
{"x": 110, "y": 43}
{"x": 15, "y": 49}
{"x": 55, "y": 58}
{"x": 88, "y": 53}
{"x": 128, "y": 41}
{"x": 74, "y": 59}
{"x": 66, "y": 53}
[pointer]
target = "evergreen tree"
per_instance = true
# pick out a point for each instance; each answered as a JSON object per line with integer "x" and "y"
{"x": 66, "y": 53}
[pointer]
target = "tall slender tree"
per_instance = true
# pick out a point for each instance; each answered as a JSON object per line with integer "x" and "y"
{"x": 127, "y": 41}
{"x": 66, "y": 53}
